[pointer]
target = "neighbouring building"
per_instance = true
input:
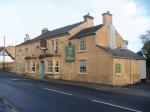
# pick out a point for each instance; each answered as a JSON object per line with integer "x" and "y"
{"x": 9, "y": 52}
{"x": 81, "y": 52}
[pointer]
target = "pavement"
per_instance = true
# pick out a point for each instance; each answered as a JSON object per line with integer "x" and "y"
{"x": 30, "y": 95}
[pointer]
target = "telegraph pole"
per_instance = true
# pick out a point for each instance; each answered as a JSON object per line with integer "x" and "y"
{"x": 4, "y": 55}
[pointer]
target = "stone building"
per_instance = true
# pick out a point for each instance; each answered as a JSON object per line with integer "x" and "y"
{"x": 81, "y": 52}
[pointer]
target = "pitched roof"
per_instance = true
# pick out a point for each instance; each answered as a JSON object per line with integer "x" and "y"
{"x": 52, "y": 33}
{"x": 87, "y": 31}
{"x": 119, "y": 52}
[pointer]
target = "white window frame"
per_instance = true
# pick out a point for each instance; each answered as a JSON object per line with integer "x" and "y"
{"x": 82, "y": 45}
{"x": 55, "y": 46}
{"x": 49, "y": 66}
{"x": 82, "y": 66}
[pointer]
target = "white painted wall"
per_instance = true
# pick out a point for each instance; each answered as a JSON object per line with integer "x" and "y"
{"x": 143, "y": 69}
{"x": 111, "y": 37}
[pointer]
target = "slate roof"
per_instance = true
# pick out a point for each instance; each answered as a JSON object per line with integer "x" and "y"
{"x": 119, "y": 52}
{"x": 87, "y": 31}
{"x": 52, "y": 33}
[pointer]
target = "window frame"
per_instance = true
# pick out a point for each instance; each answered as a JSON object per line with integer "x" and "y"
{"x": 82, "y": 66}
{"x": 55, "y": 46}
{"x": 82, "y": 44}
{"x": 49, "y": 66}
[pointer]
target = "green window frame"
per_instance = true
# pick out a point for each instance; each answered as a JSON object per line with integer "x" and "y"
{"x": 118, "y": 68}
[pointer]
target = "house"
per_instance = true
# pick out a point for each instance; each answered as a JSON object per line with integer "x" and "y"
{"x": 81, "y": 52}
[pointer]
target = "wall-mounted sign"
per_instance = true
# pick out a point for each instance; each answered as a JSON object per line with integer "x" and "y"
{"x": 70, "y": 53}
{"x": 117, "y": 68}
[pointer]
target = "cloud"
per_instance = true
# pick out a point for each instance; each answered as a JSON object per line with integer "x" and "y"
{"x": 19, "y": 18}
{"x": 129, "y": 19}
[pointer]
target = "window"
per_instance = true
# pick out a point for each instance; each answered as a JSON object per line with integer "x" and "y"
{"x": 43, "y": 44}
{"x": 82, "y": 66}
{"x": 55, "y": 46}
{"x": 50, "y": 66}
{"x": 28, "y": 67}
{"x": 57, "y": 67}
{"x": 32, "y": 50}
{"x": 17, "y": 66}
{"x": 33, "y": 67}
{"x": 117, "y": 68}
{"x": 82, "y": 44}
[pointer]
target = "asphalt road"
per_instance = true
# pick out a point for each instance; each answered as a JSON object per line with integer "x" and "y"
{"x": 37, "y": 96}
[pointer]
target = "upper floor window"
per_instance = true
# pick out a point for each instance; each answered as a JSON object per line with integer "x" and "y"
{"x": 43, "y": 44}
{"x": 82, "y": 45}
{"x": 55, "y": 46}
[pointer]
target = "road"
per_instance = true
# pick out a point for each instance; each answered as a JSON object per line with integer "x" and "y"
{"x": 29, "y": 95}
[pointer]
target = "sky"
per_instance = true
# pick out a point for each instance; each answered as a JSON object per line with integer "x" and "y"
{"x": 19, "y": 17}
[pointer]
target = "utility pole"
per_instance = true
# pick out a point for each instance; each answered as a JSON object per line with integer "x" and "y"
{"x": 4, "y": 54}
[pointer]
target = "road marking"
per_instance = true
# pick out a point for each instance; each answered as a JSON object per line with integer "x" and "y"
{"x": 99, "y": 89}
{"x": 26, "y": 83}
{"x": 9, "y": 105}
{"x": 116, "y": 106}
{"x": 57, "y": 91}
{"x": 15, "y": 79}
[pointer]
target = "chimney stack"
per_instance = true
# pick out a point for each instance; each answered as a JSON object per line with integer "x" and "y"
{"x": 89, "y": 20}
{"x": 107, "y": 18}
{"x": 27, "y": 37}
{"x": 44, "y": 30}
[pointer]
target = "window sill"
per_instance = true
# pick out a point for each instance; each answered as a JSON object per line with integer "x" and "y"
{"x": 82, "y": 74}
{"x": 55, "y": 73}
{"x": 81, "y": 51}
{"x": 32, "y": 72}
{"x": 118, "y": 74}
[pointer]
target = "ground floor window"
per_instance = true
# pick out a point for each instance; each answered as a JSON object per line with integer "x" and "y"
{"x": 82, "y": 66}
{"x": 33, "y": 66}
{"x": 57, "y": 67}
{"x": 50, "y": 66}
{"x": 17, "y": 66}
{"x": 53, "y": 66}
{"x": 28, "y": 67}
{"x": 118, "y": 68}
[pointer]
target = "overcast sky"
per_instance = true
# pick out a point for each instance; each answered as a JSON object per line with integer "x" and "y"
{"x": 19, "y": 17}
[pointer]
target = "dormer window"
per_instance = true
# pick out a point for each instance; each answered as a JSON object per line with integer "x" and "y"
{"x": 82, "y": 46}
